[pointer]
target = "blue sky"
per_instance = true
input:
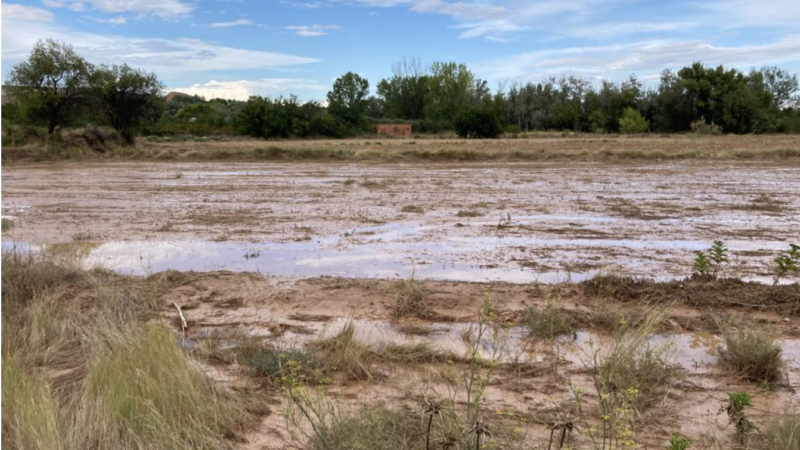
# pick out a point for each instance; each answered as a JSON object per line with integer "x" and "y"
{"x": 234, "y": 48}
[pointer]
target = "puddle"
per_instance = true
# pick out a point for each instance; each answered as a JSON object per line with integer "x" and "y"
{"x": 394, "y": 250}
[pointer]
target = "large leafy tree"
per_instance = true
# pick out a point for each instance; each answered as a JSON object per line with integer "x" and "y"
{"x": 128, "y": 97}
{"x": 451, "y": 89}
{"x": 51, "y": 82}
{"x": 403, "y": 95}
{"x": 349, "y": 98}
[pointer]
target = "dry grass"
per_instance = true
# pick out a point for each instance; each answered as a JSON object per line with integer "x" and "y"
{"x": 412, "y": 300}
{"x": 634, "y": 370}
{"x": 343, "y": 354}
{"x": 97, "y": 374}
{"x": 697, "y": 292}
{"x": 583, "y": 148}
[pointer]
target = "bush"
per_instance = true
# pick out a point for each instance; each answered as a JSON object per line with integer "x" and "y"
{"x": 547, "y": 322}
{"x": 478, "y": 124}
{"x": 632, "y": 122}
{"x": 754, "y": 355}
{"x": 700, "y": 126}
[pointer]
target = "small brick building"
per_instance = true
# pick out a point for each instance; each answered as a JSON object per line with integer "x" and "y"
{"x": 392, "y": 129}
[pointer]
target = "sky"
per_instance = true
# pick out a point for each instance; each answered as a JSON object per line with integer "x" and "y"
{"x": 236, "y": 48}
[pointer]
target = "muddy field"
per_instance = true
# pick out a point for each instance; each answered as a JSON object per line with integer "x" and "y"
{"x": 519, "y": 222}
{"x": 292, "y": 253}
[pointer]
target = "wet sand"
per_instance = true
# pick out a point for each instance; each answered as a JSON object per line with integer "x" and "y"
{"x": 518, "y": 222}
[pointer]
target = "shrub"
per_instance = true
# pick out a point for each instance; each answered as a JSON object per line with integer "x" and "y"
{"x": 547, "y": 322}
{"x": 283, "y": 366}
{"x": 632, "y": 122}
{"x": 754, "y": 355}
{"x": 700, "y": 126}
{"x": 478, "y": 124}
{"x": 633, "y": 371}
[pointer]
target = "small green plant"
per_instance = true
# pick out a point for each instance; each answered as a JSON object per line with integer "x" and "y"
{"x": 708, "y": 264}
{"x": 702, "y": 265}
{"x": 787, "y": 261}
{"x": 753, "y": 354}
{"x": 679, "y": 442}
{"x": 286, "y": 367}
{"x": 7, "y": 224}
{"x": 735, "y": 407}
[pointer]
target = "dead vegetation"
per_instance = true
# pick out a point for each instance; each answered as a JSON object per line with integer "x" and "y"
{"x": 698, "y": 292}
{"x": 586, "y": 148}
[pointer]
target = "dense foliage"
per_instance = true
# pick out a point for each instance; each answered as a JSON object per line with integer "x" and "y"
{"x": 56, "y": 87}
{"x": 478, "y": 124}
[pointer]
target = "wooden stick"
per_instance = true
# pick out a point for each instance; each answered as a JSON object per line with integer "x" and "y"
{"x": 183, "y": 319}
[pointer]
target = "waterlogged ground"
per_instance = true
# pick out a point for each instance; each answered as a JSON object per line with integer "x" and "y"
{"x": 518, "y": 222}
{"x": 535, "y": 375}
{"x": 507, "y": 225}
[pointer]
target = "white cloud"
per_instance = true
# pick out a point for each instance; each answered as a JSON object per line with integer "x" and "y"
{"x": 243, "y": 89}
{"x": 750, "y": 13}
{"x": 233, "y": 23}
{"x": 648, "y": 56}
{"x": 119, "y": 20}
{"x": 11, "y": 11}
{"x": 167, "y": 57}
{"x": 306, "y": 5}
{"x": 311, "y": 30}
{"x": 158, "y": 8}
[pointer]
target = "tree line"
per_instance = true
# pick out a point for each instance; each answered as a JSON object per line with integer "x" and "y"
{"x": 56, "y": 87}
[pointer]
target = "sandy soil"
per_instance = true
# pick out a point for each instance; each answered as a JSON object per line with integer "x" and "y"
{"x": 479, "y": 222}
{"x": 532, "y": 382}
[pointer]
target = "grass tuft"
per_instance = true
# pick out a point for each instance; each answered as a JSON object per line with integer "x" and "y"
{"x": 343, "y": 354}
{"x": 547, "y": 322}
{"x": 412, "y": 300}
{"x": 753, "y": 355}
{"x": 782, "y": 433}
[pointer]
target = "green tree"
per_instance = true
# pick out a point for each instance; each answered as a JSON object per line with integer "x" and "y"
{"x": 450, "y": 90}
{"x": 128, "y": 97}
{"x": 51, "y": 82}
{"x": 348, "y": 98}
{"x": 478, "y": 124}
{"x": 781, "y": 85}
{"x": 632, "y": 122}
{"x": 403, "y": 95}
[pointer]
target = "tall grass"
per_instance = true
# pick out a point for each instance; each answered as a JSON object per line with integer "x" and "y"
{"x": 102, "y": 377}
{"x": 782, "y": 433}
{"x": 29, "y": 414}
{"x": 342, "y": 353}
